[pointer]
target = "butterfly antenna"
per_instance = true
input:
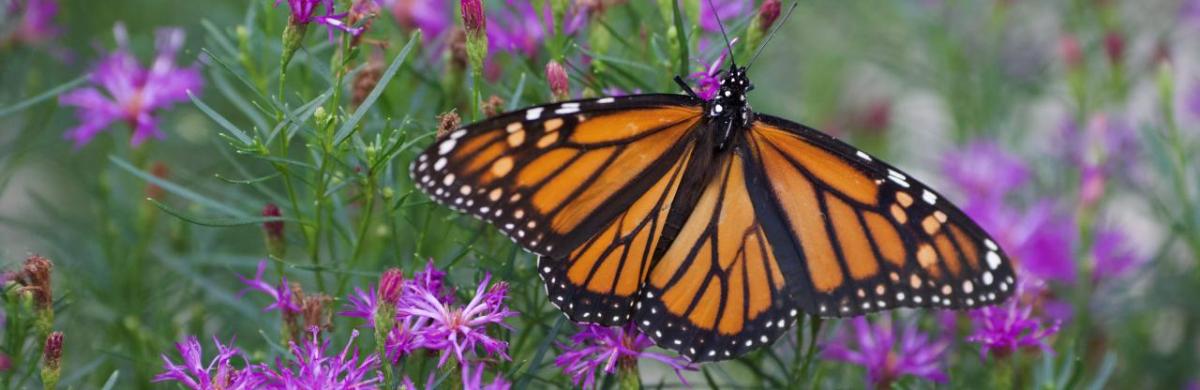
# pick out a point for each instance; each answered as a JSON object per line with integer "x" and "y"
{"x": 728, "y": 44}
{"x": 773, "y": 31}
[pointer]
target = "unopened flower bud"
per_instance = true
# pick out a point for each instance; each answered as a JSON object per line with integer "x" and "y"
{"x": 1070, "y": 51}
{"x": 52, "y": 360}
{"x": 389, "y": 285}
{"x": 768, "y": 13}
{"x": 559, "y": 82}
{"x": 477, "y": 40}
{"x": 276, "y": 246}
{"x": 1114, "y": 47}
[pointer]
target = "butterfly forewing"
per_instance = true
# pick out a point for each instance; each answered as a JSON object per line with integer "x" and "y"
{"x": 869, "y": 237}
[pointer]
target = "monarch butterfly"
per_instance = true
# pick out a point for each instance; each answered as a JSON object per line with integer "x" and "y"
{"x": 710, "y": 226}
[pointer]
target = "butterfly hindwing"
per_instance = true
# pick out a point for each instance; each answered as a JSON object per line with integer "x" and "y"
{"x": 869, "y": 237}
{"x": 718, "y": 290}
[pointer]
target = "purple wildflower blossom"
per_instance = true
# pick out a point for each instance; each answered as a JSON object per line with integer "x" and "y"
{"x": 1189, "y": 12}
{"x": 1008, "y": 327}
{"x": 596, "y": 347}
{"x": 36, "y": 23}
{"x": 1039, "y": 238}
{"x": 362, "y": 304}
{"x": 886, "y": 356}
{"x": 310, "y": 368}
{"x": 458, "y": 330}
{"x": 433, "y": 18}
{"x": 218, "y": 374}
{"x": 520, "y": 29}
{"x": 726, "y": 10}
{"x": 708, "y": 81}
{"x": 406, "y": 337}
{"x": 984, "y": 171}
{"x": 305, "y": 12}
{"x": 280, "y": 293}
{"x": 1192, "y": 100}
{"x": 472, "y": 379}
{"x": 1113, "y": 255}
{"x": 134, "y": 93}
{"x": 433, "y": 280}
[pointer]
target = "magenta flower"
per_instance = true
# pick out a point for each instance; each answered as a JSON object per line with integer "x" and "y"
{"x": 35, "y": 23}
{"x": 886, "y": 356}
{"x": 458, "y": 330}
{"x": 218, "y": 374}
{"x": 310, "y": 368}
{"x": 362, "y": 304}
{"x": 596, "y": 347}
{"x": 433, "y": 18}
{"x": 406, "y": 337}
{"x": 1039, "y": 238}
{"x": 305, "y": 12}
{"x": 708, "y": 81}
{"x": 1008, "y": 327}
{"x": 433, "y": 280}
{"x": 520, "y": 29}
{"x": 983, "y": 171}
{"x": 1114, "y": 257}
{"x": 727, "y": 10}
{"x": 281, "y": 294}
{"x": 134, "y": 94}
{"x": 472, "y": 379}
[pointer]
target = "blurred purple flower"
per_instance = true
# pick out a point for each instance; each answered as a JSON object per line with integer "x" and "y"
{"x": 519, "y": 29}
{"x": 305, "y": 12}
{"x": 36, "y": 23}
{"x": 886, "y": 357}
{"x": 362, "y": 304}
{"x": 310, "y": 368}
{"x": 1108, "y": 142}
{"x": 1008, "y": 327}
{"x": 458, "y": 330}
{"x": 433, "y": 18}
{"x": 1113, "y": 255}
{"x": 725, "y": 9}
{"x": 282, "y": 294}
{"x": 218, "y": 374}
{"x": 985, "y": 172}
{"x": 134, "y": 93}
{"x": 1189, "y": 12}
{"x": 596, "y": 347}
{"x": 1039, "y": 239}
{"x": 1192, "y": 100}
{"x": 433, "y": 280}
{"x": 708, "y": 81}
{"x": 472, "y": 379}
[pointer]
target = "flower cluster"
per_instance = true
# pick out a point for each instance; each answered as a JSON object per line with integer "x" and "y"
{"x": 132, "y": 93}
{"x": 888, "y": 351}
{"x": 596, "y": 347}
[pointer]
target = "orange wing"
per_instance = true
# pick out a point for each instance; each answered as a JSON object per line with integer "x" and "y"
{"x": 584, "y": 184}
{"x": 719, "y": 289}
{"x": 864, "y": 235}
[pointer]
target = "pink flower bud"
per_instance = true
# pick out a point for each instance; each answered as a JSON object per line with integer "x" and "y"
{"x": 390, "y": 284}
{"x": 768, "y": 13}
{"x": 556, "y": 76}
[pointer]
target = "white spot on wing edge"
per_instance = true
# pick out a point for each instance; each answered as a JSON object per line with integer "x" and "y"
{"x": 993, "y": 260}
{"x": 606, "y": 100}
{"x": 533, "y": 113}
{"x": 864, "y": 156}
{"x": 929, "y": 197}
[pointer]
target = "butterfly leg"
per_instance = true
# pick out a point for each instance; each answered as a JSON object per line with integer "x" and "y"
{"x": 686, "y": 88}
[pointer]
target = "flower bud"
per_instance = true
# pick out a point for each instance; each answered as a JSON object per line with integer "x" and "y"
{"x": 477, "y": 40}
{"x": 1070, "y": 51}
{"x": 293, "y": 37}
{"x": 314, "y": 311}
{"x": 52, "y": 360}
{"x": 447, "y": 122}
{"x": 35, "y": 277}
{"x": 768, "y": 13}
{"x": 389, "y": 285}
{"x": 1114, "y": 47}
{"x": 556, "y": 76}
{"x": 276, "y": 246}
{"x": 493, "y": 106}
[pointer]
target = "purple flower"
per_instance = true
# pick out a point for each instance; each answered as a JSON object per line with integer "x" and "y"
{"x": 708, "y": 81}
{"x": 1039, "y": 238}
{"x": 1004, "y": 329}
{"x": 407, "y": 336}
{"x": 432, "y": 17}
{"x": 305, "y": 12}
{"x": 433, "y": 280}
{"x": 984, "y": 171}
{"x": 596, "y": 347}
{"x": 36, "y": 23}
{"x": 472, "y": 379}
{"x": 519, "y": 28}
{"x": 1113, "y": 255}
{"x": 362, "y": 304}
{"x": 280, "y": 293}
{"x": 310, "y": 368}
{"x": 1192, "y": 100}
{"x": 218, "y": 374}
{"x": 1189, "y": 12}
{"x": 726, "y": 10}
{"x": 134, "y": 93}
{"x": 886, "y": 357}
{"x": 458, "y": 330}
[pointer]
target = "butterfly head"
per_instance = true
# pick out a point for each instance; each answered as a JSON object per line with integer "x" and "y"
{"x": 729, "y": 108}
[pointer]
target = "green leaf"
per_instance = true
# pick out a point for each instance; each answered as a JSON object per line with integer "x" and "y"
{"x": 176, "y": 188}
{"x": 216, "y": 117}
{"x": 112, "y": 380}
{"x": 681, "y": 33}
{"x": 43, "y": 97}
{"x": 352, "y": 122}
{"x": 536, "y": 362}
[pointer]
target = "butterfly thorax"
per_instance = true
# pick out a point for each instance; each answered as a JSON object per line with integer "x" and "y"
{"x": 729, "y": 111}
